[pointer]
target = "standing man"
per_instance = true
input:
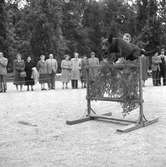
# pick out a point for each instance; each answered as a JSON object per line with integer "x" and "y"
{"x": 52, "y": 67}
{"x": 3, "y": 72}
{"x": 156, "y": 60}
{"x": 163, "y": 67}
{"x": 93, "y": 61}
{"x": 75, "y": 70}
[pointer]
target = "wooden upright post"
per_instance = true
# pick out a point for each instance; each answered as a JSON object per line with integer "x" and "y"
{"x": 141, "y": 114}
{"x": 88, "y": 93}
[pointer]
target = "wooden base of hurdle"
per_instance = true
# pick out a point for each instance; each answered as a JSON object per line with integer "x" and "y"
{"x": 131, "y": 124}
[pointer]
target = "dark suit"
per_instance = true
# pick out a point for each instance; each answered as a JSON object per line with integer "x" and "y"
{"x": 163, "y": 69}
{"x": 156, "y": 60}
{"x": 52, "y": 67}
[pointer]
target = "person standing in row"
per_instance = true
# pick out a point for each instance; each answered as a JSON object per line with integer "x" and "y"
{"x": 52, "y": 67}
{"x": 145, "y": 66}
{"x": 19, "y": 67}
{"x": 75, "y": 70}
{"x": 3, "y": 73}
{"x": 93, "y": 61}
{"x": 84, "y": 64}
{"x": 156, "y": 60}
{"x": 42, "y": 69}
{"x": 66, "y": 71}
{"x": 28, "y": 69}
{"x": 163, "y": 67}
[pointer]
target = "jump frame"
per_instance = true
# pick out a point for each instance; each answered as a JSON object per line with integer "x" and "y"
{"x": 130, "y": 124}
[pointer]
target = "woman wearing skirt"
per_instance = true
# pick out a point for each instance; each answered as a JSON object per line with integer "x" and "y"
{"x": 66, "y": 71}
{"x": 84, "y": 64}
{"x": 43, "y": 75}
{"x": 19, "y": 67}
{"x": 28, "y": 69}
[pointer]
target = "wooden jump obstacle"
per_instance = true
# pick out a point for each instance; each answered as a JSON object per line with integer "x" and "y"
{"x": 131, "y": 124}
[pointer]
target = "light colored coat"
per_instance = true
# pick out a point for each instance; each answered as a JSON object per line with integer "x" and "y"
{"x": 42, "y": 67}
{"x": 156, "y": 60}
{"x": 52, "y": 65}
{"x": 93, "y": 72}
{"x": 93, "y": 61}
{"x": 3, "y": 64}
{"x": 66, "y": 70}
{"x": 75, "y": 68}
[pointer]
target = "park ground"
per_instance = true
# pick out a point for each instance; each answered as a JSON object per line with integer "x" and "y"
{"x": 33, "y": 132}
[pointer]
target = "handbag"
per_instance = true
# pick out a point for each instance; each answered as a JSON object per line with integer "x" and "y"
{"x": 23, "y": 74}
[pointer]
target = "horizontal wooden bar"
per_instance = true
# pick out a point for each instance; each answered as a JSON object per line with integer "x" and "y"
{"x": 114, "y": 121}
{"x": 112, "y": 99}
{"x": 129, "y": 128}
{"x": 95, "y": 116}
{"x": 118, "y": 66}
{"x": 108, "y": 114}
{"x": 137, "y": 126}
{"x": 81, "y": 120}
{"x": 78, "y": 121}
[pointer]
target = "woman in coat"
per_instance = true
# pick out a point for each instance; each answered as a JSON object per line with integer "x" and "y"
{"x": 43, "y": 74}
{"x": 28, "y": 69}
{"x": 3, "y": 72}
{"x": 93, "y": 61}
{"x": 84, "y": 64}
{"x": 75, "y": 71}
{"x": 66, "y": 71}
{"x": 19, "y": 68}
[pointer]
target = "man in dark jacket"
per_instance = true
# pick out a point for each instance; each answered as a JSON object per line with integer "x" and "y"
{"x": 163, "y": 67}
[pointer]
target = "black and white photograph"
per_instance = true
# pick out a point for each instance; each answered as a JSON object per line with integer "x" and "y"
{"x": 82, "y": 83}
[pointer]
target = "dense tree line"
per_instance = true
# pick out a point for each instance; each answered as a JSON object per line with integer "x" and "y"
{"x": 64, "y": 26}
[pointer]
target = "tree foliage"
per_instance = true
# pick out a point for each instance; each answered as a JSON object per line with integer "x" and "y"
{"x": 3, "y": 28}
{"x": 59, "y": 26}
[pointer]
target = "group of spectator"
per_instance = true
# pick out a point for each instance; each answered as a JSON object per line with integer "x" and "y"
{"x": 75, "y": 69}
{"x": 159, "y": 68}
{"x": 28, "y": 73}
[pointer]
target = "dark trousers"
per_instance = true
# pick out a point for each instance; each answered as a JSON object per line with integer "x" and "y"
{"x": 3, "y": 85}
{"x": 74, "y": 84}
{"x": 156, "y": 77}
{"x": 163, "y": 75}
{"x": 51, "y": 82}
